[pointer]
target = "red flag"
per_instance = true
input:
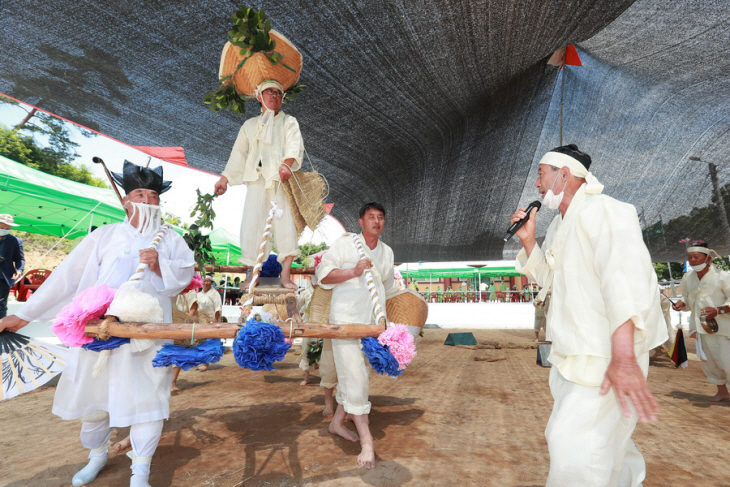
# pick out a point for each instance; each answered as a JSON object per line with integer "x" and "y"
{"x": 571, "y": 56}
{"x": 565, "y": 55}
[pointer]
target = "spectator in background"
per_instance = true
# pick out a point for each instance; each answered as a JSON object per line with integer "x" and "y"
{"x": 209, "y": 307}
{"x": 12, "y": 260}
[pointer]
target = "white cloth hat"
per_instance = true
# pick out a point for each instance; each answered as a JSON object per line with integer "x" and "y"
{"x": 7, "y": 219}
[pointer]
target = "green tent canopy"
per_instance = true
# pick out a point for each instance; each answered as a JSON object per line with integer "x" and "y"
{"x": 459, "y": 273}
{"x": 226, "y": 249}
{"x": 49, "y": 205}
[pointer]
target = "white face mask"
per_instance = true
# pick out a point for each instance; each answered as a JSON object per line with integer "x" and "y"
{"x": 551, "y": 200}
{"x": 699, "y": 268}
{"x": 4, "y": 232}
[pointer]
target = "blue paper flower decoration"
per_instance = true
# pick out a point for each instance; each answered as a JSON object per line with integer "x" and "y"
{"x": 380, "y": 357}
{"x": 208, "y": 352}
{"x": 258, "y": 345}
{"x": 110, "y": 344}
{"x": 271, "y": 267}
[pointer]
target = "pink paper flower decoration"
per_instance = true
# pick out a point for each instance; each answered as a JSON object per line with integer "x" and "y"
{"x": 90, "y": 304}
{"x": 196, "y": 283}
{"x": 400, "y": 343}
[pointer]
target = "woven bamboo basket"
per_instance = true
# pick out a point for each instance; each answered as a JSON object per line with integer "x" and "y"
{"x": 306, "y": 192}
{"x": 277, "y": 310}
{"x": 319, "y": 306}
{"x": 407, "y": 308}
{"x": 258, "y": 68}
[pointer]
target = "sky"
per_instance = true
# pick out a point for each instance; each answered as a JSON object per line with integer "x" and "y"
{"x": 181, "y": 198}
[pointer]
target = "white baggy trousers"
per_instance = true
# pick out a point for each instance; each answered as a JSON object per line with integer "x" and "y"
{"x": 255, "y": 212}
{"x": 589, "y": 438}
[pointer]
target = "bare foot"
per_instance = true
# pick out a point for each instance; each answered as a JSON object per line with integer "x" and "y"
{"x": 329, "y": 410}
{"x": 287, "y": 283}
{"x": 175, "y": 388}
{"x": 203, "y": 367}
{"x": 305, "y": 381}
{"x": 340, "y": 430}
{"x": 366, "y": 458}
{"x": 329, "y": 403}
{"x": 719, "y": 397}
{"x": 123, "y": 445}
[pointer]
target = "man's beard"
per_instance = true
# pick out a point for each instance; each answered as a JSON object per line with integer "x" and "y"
{"x": 149, "y": 217}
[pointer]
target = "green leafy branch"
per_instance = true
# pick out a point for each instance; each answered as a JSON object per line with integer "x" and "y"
{"x": 200, "y": 244}
{"x": 293, "y": 92}
{"x": 226, "y": 97}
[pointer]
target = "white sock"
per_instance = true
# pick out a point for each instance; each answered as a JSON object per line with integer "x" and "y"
{"x": 139, "y": 480}
{"x": 97, "y": 461}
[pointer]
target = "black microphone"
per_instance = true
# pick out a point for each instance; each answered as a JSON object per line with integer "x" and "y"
{"x": 517, "y": 225}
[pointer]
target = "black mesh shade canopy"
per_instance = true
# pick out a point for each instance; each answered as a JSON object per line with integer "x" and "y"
{"x": 439, "y": 110}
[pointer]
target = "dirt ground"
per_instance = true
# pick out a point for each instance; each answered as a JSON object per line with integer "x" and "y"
{"x": 467, "y": 416}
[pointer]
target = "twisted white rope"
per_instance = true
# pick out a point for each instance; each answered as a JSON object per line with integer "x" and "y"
{"x": 262, "y": 251}
{"x": 377, "y": 309}
{"x": 153, "y": 245}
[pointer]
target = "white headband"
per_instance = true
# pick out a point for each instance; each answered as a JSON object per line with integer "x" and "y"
{"x": 704, "y": 250}
{"x": 269, "y": 83}
{"x": 556, "y": 159}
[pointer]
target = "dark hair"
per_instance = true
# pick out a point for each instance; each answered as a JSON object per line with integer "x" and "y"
{"x": 371, "y": 206}
{"x": 700, "y": 244}
{"x": 573, "y": 151}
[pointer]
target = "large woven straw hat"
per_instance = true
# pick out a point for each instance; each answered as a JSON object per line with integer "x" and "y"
{"x": 306, "y": 192}
{"x": 258, "y": 68}
{"x": 407, "y": 308}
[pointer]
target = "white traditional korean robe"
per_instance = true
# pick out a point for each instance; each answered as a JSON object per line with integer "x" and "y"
{"x": 713, "y": 290}
{"x": 601, "y": 276}
{"x": 256, "y": 164}
{"x": 129, "y": 388}
{"x": 351, "y": 304}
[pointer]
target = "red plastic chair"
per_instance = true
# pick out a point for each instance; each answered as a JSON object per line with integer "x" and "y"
{"x": 30, "y": 282}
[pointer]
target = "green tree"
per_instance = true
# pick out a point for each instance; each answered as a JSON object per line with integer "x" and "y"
{"x": 174, "y": 220}
{"x": 308, "y": 249}
{"x": 662, "y": 270}
{"x": 53, "y": 156}
{"x": 25, "y": 150}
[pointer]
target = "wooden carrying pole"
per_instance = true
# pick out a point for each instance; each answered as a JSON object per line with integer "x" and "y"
{"x": 103, "y": 329}
{"x": 241, "y": 269}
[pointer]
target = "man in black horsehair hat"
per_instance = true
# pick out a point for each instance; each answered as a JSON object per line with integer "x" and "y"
{"x": 128, "y": 391}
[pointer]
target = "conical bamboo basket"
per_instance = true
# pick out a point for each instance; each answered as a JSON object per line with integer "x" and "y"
{"x": 258, "y": 68}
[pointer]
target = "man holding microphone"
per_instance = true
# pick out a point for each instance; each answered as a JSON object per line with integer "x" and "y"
{"x": 604, "y": 319}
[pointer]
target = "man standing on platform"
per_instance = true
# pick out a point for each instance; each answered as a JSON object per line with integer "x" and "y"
{"x": 12, "y": 260}
{"x": 342, "y": 270}
{"x": 268, "y": 149}
{"x": 604, "y": 319}
{"x": 706, "y": 292}
{"x": 128, "y": 390}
